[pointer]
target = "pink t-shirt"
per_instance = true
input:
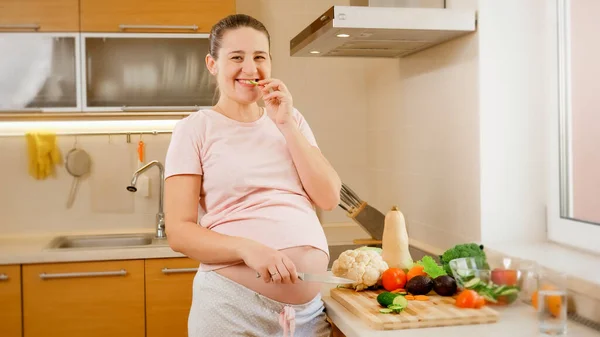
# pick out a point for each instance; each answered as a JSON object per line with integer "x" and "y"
{"x": 250, "y": 185}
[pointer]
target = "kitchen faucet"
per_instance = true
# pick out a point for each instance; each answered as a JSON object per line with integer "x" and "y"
{"x": 160, "y": 216}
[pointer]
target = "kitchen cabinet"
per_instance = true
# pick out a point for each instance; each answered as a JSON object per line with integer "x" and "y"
{"x": 187, "y": 16}
{"x": 57, "y": 55}
{"x": 39, "y": 15}
{"x": 168, "y": 295}
{"x": 89, "y": 299}
{"x": 133, "y": 72}
{"x": 10, "y": 301}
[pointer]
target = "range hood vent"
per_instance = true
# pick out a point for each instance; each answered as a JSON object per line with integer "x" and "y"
{"x": 380, "y": 31}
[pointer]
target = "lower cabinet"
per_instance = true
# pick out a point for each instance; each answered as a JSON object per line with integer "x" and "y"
{"x": 92, "y": 299}
{"x": 10, "y": 301}
{"x": 169, "y": 296}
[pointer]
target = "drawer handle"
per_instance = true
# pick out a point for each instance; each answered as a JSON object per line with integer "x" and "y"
{"x": 179, "y": 270}
{"x": 160, "y": 109}
{"x": 121, "y": 272}
{"x": 3, "y": 277}
{"x": 33, "y": 26}
{"x": 190, "y": 27}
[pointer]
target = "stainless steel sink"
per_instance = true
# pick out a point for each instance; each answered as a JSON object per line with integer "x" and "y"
{"x": 104, "y": 241}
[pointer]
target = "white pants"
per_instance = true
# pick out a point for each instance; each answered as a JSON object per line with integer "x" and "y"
{"x": 224, "y": 308}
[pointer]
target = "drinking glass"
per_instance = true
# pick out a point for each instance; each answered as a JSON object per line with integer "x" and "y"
{"x": 551, "y": 302}
{"x": 528, "y": 278}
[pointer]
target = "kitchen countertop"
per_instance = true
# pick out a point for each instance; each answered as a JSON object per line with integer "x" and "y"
{"x": 26, "y": 250}
{"x": 518, "y": 320}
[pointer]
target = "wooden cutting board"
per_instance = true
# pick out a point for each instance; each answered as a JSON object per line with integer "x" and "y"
{"x": 437, "y": 311}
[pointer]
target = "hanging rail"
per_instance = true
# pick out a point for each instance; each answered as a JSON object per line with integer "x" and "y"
{"x": 95, "y": 133}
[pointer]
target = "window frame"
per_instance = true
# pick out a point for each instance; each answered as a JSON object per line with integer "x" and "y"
{"x": 578, "y": 234}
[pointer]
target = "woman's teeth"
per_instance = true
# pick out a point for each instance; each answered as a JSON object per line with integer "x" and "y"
{"x": 254, "y": 82}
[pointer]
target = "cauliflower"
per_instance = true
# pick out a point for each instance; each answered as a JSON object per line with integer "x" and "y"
{"x": 363, "y": 266}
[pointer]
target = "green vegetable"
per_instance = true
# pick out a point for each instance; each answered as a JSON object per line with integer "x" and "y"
{"x": 392, "y": 302}
{"x": 400, "y": 301}
{"x": 463, "y": 250}
{"x": 386, "y": 298}
{"x": 253, "y": 82}
{"x": 490, "y": 291}
{"x": 375, "y": 249}
{"x": 431, "y": 268}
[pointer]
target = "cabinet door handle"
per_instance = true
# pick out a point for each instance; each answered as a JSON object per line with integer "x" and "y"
{"x": 179, "y": 270}
{"x": 190, "y": 27}
{"x": 3, "y": 277}
{"x": 33, "y": 26}
{"x": 121, "y": 272}
{"x": 160, "y": 109}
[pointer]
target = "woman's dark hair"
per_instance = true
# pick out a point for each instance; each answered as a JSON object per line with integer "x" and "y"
{"x": 229, "y": 23}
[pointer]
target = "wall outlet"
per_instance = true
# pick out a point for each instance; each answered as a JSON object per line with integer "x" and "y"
{"x": 143, "y": 186}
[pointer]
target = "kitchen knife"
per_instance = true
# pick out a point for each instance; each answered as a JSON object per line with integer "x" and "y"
{"x": 324, "y": 278}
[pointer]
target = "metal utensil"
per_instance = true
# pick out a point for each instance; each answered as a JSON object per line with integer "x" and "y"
{"x": 324, "y": 278}
{"x": 365, "y": 215}
{"x": 78, "y": 165}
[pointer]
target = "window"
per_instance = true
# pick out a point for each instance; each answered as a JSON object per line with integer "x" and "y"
{"x": 574, "y": 179}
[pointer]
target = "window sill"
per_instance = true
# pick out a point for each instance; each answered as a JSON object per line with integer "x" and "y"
{"x": 582, "y": 268}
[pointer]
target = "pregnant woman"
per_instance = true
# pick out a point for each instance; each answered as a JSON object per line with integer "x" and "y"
{"x": 256, "y": 174}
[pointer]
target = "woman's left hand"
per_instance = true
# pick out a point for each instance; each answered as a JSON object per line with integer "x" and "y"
{"x": 278, "y": 101}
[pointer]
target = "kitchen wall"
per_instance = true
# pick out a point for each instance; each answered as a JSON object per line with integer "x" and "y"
{"x": 457, "y": 132}
{"x": 328, "y": 93}
{"x": 423, "y": 132}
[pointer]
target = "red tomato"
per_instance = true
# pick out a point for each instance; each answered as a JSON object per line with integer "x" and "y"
{"x": 504, "y": 277}
{"x": 467, "y": 299}
{"x": 393, "y": 278}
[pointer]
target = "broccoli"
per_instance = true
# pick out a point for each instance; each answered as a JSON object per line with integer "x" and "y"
{"x": 462, "y": 250}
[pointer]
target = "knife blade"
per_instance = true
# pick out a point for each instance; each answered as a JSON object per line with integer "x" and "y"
{"x": 324, "y": 278}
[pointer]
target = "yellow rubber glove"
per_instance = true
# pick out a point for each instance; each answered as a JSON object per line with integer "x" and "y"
{"x": 45, "y": 153}
{"x": 32, "y": 152}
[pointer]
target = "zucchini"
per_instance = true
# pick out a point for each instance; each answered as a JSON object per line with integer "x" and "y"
{"x": 499, "y": 290}
{"x": 386, "y": 298}
{"x": 472, "y": 283}
{"x": 507, "y": 292}
{"x": 400, "y": 301}
{"x": 488, "y": 297}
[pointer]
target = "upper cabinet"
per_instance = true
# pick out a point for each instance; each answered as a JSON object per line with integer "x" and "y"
{"x": 146, "y": 72}
{"x": 39, "y": 15}
{"x": 181, "y": 16}
{"x": 108, "y": 55}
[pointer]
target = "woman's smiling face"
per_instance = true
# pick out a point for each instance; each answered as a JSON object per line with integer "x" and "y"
{"x": 243, "y": 57}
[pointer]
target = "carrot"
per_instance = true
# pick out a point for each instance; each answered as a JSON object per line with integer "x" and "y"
{"x": 398, "y": 290}
{"x": 422, "y": 298}
{"x": 409, "y": 297}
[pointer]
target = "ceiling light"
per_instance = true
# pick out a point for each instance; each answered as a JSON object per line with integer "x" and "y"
{"x": 343, "y": 35}
{"x": 315, "y": 52}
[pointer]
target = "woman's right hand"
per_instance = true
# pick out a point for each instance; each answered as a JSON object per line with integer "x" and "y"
{"x": 272, "y": 265}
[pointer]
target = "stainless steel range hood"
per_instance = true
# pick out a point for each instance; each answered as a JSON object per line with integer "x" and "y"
{"x": 382, "y": 28}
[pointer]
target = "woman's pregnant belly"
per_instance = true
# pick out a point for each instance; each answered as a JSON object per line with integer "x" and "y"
{"x": 306, "y": 258}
